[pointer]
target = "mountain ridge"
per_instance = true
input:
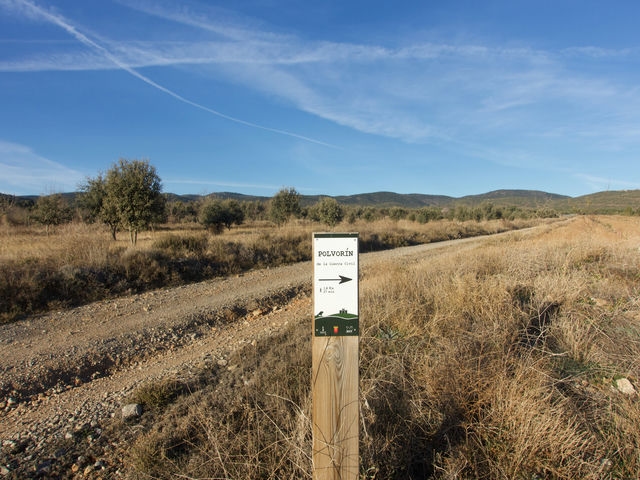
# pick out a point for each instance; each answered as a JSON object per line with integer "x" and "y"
{"x": 611, "y": 201}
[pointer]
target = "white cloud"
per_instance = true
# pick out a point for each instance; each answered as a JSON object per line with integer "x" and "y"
{"x": 99, "y": 48}
{"x": 228, "y": 24}
{"x": 416, "y": 92}
{"x": 25, "y": 172}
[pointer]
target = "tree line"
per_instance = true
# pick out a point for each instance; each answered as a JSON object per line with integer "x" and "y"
{"x": 128, "y": 197}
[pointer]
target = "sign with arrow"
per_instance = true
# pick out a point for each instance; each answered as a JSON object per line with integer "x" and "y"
{"x": 335, "y": 267}
{"x": 335, "y": 357}
{"x": 339, "y": 280}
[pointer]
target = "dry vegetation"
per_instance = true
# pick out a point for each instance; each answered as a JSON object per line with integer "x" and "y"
{"x": 495, "y": 362}
{"x": 79, "y": 263}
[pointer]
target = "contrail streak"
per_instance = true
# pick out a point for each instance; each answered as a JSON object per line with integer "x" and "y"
{"x": 34, "y": 9}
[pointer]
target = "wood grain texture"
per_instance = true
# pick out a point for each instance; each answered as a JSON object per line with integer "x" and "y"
{"x": 335, "y": 389}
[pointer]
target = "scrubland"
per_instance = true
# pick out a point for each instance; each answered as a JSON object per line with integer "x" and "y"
{"x": 502, "y": 360}
{"x": 79, "y": 263}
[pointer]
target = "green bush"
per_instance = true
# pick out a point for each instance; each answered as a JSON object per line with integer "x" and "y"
{"x": 327, "y": 211}
{"x": 285, "y": 205}
{"x": 217, "y": 214}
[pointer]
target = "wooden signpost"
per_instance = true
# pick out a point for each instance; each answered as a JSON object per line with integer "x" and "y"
{"x": 335, "y": 361}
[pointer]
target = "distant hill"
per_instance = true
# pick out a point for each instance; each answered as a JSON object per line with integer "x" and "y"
{"x": 615, "y": 201}
{"x": 220, "y": 195}
{"x": 390, "y": 199}
{"x": 619, "y": 201}
{"x": 519, "y": 198}
{"x": 602, "y": 202}
{"x": 376, "y": 199}
{"x": 24, "y": 202}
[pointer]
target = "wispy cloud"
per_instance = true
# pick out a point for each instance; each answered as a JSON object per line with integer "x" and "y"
{"x": 25, "y": 172}
{"x": 228, "y": 24}
{"x": 421, "y": 92}
{"x": 32, "y": 10}
{"x": 414, "y": 92}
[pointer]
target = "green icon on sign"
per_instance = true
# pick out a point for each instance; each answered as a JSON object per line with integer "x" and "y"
{"x": 339, "y": 324}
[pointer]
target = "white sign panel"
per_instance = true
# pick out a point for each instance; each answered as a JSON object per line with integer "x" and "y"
{"x": 335, "y": 284}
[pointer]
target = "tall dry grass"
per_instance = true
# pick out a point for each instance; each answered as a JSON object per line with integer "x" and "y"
{"x": 491, "y": 362}
{"x": 516, "y": 347}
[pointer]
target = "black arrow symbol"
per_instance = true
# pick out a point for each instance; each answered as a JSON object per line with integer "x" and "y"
{"x": 341, "y": 279}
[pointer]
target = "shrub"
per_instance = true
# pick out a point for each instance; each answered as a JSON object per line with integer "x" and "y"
{"x": 428, "y": 214}
{"x": 328, "y": 211}
{"x": 285, "y": 205}
{"x": 216, "y": 214}
{"x": 51, "y": 210}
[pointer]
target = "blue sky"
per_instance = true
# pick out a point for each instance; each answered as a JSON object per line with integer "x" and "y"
{"x": 336, "y": 97}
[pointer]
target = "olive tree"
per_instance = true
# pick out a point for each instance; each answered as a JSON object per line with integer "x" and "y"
{"x": 133, "y": 189}
{"x": 216, "y": 214}
{"x": 328, "y": 211}
{"x": 284, "y": 205}
{"x": 51, "y": 210}
{"x": 93, "y": 200}
{"x": 132, "y": 194}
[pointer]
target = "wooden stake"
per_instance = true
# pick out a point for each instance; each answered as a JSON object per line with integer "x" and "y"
{"x": 335, "y": 408}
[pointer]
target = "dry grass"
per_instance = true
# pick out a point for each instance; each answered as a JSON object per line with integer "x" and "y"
{"x": 520, "y": 342}
{"x": 246, "y": 419}
{"x": 79, "y": 263}
{"x": 496, "y": 362}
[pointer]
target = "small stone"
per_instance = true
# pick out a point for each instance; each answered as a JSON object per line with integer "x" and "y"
{"x": 606, "y": 464}
{"x": 131, "y": 411}
{"x": 88, "y": 470}
{"x": 4, "y": 471}
{"x": 11, "y": 447}
{"x": 44, "y": 467}
{"x": 82, "y": 428}
{"x": 11, "y": 402}
{"x": 249, "y": 383}
{"x": 624, "y": 385}
{"x": 75, "y": 468}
